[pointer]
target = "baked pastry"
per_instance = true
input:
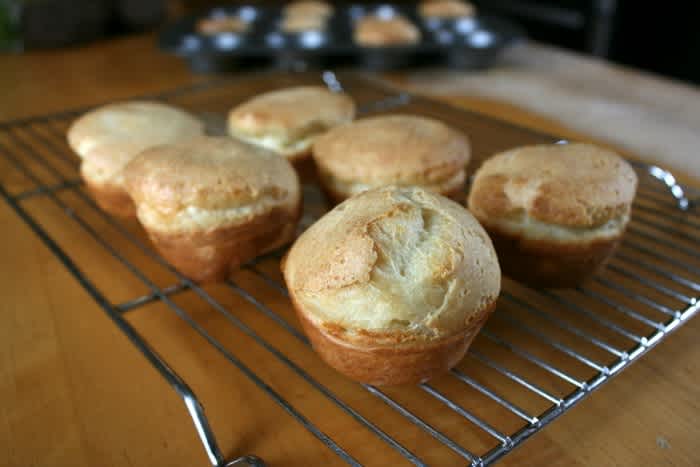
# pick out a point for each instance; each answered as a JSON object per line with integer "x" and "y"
{"x": 110, "y": 136}
{"x": 392, "y": 285}
{"x": 297, "y": 24}
{"x": 211, "y": 204}
{"x": 219, "y": 24}
{"x": 308, "y": 8}
{"x": 396, "y": 149}
{"x": 446, "y": 9}
{"x": 555, "y": 212}
{"x": 376, "y": 31}
{"x": 287, "y": 121}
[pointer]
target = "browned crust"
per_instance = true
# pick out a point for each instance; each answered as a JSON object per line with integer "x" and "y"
{"x": 308, "y": 9}
{"x": 210, "y": 256}
{"x": 105, "y": 148}
{"x": 299, "y": 23}
{"x": 334, "y": 197}
{"x": 208, "y": 172}
{"x": 292, "y": 111}
{"x": 550, "y": 264}
{"x": 402, "y": 148}
{"x": 372, "y": 31}
{"x": 445, "y": 9}
{"x": 574, "y": 185}
{"x": 211, "y": 26}
{"x": 113, "y": 199}
{"x": 409, "y": 363}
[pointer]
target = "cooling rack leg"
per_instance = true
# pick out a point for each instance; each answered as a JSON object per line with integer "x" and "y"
{"x": 193, "y": 405}
{"x": 201, "y": 424}
{"x": 246, "y": 460}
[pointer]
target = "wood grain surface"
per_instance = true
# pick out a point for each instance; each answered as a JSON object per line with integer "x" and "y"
{"x": 77, "y": 393}
{"x": 648, "y": 114}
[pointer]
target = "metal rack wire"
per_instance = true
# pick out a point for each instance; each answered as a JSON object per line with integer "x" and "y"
{"x": 540, "y": 354}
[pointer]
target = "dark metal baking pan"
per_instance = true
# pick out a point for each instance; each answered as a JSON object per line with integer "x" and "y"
{"x": 472, "y": 42}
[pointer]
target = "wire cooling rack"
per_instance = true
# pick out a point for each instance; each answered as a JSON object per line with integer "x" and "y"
{"x": 540, "y": 354}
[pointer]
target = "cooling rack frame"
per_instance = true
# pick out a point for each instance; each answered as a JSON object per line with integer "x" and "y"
{"x": 657, "y": 184}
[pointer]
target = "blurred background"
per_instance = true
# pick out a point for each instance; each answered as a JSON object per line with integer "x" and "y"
{"x": 658, "y": 37}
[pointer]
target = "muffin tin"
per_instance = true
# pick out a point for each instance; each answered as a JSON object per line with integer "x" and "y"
{"x": 469, "y": 42}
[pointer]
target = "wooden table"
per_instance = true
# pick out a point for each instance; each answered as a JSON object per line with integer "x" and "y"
{"x": 76, "y": 393}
